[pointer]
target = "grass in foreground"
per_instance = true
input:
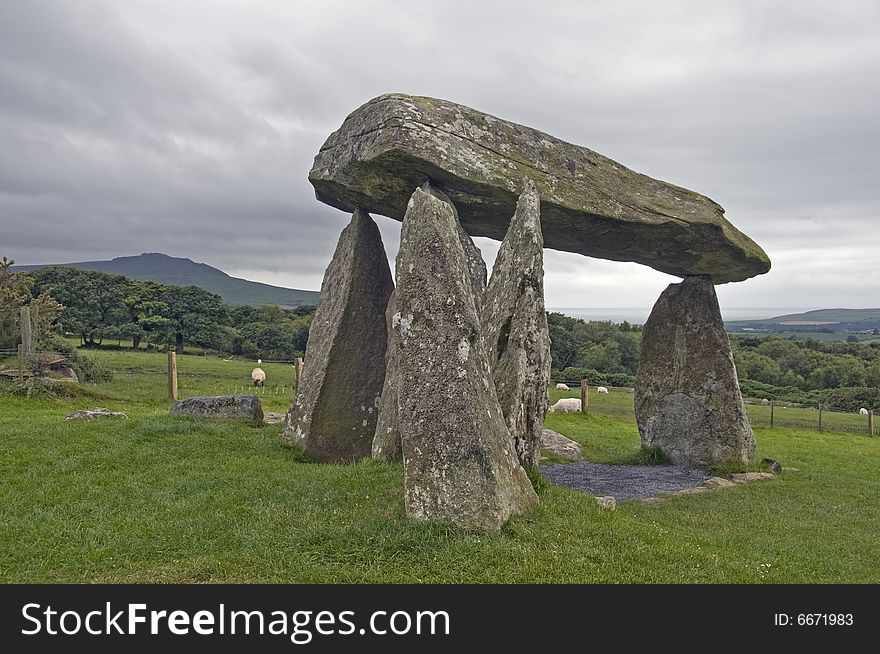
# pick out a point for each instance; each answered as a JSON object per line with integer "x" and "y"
{"x": 156, "y": 499}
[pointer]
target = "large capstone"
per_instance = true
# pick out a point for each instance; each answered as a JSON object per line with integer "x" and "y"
{"x": 590, "y": 204}
{"x": 386, "y": 442}
{"x": 334, "y": 415}
{"x": 687, "y": 397}
{"x": 460, "y": 465}
{"x": 517, "y": 336}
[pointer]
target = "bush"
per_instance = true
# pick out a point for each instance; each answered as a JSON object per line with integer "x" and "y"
{"x": 575, "y": 374}
{"x": 90, "y": 370}
{"x": 752, "y": 388}
{"x": 851, "y": 399}
{"x": 620, "y": 380}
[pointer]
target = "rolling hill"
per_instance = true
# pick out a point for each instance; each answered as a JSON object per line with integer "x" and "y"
{"x": 825, "y": 324}
{"x": 185, "y": 272}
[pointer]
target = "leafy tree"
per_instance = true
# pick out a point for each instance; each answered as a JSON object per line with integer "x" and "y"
{"x": 148, "y": 311}
{"x": 94, "y": 302}
{"x": 194, "y": 315}
{"x": 15, "y": 293}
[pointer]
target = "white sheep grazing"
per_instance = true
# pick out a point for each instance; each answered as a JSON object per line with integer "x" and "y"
{"x": 566, "y": 405}
{"x": 258, "y": 377}
{"x": 863, "y": 411}
{"x": 562, "y": 387}
{"x": 765, "y": 401}
{"x": 601, "y": 390}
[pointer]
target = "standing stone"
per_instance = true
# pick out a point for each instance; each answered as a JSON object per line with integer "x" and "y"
{"x": 460, "y": 465}
{"x": 386, "y": 442}
{"x": 475, "y": 263}
{"x": 334, "y": 415}
{"x": 517, "y": 336}
{"x": 687, "y": 397}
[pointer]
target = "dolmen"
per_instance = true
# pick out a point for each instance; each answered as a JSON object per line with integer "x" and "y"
{"x": 447, "y": 370}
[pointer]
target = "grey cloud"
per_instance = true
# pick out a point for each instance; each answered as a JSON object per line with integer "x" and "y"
{"x": 189, "y": 128}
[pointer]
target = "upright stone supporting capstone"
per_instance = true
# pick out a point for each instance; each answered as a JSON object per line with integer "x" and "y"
{"x": 334, "y": 415}
{"x": 460, "y": 465}
{"x": 687, "y": 397}
{"x": 475, "y": 262}
{"x": 517, "y": 336}
{"x": 386, "y": 442}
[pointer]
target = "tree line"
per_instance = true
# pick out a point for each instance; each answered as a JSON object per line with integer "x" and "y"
{"x": 603, "y": 352}
{"x": 101, "y": 308}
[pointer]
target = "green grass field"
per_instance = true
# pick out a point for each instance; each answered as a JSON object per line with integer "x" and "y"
{"x": 156, "y": 499}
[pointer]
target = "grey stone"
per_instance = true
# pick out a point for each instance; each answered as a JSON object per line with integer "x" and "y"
{"x": 590, "y": 204}
{"x": 273, "y": 418}
{"x": 460, "y": 465}
{"x": 333, "y": 417}
{"x": 773, "y": 465}
{"x": 749, "y": 477}
{"x": 607, "y": 502}
{"x": 91, "y": 414}
{"x": 386, "y": 442}
{"x": 246, "y": 407}
{"x": 475, "y": 262}
{"x": 718, "y": 482}
{"x": 687, "y": 399}
{"x": 561, "y": 445}
{"x": 516, "y": 332}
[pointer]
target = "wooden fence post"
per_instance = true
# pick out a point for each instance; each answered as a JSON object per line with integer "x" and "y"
{"x": 20, "y": 362}
{"x": 871, "y": 422}
{"x": 585, "y": 396}
{"x": 25, "y": 325}
{"x": 298, "y": 371}
{"x": 771, "y": 413}
{"x": 820, "y": 416}
{"x": 172, "y": 374}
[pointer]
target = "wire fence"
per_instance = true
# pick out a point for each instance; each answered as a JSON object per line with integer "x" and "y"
{"x": 23, "y": 364}
{"x": 619, "y": 404}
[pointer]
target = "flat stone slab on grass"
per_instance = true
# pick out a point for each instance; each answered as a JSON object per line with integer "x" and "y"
{"x": 91, "y": 414}
{"x": 273, "y": 418}
{"x": 247, "y": 407}
{"x": 623, "y": 482}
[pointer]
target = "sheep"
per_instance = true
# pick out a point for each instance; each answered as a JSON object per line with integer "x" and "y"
{"x": 863, "y": 411}
{"x": 765, "y": 401}
{"x": 601, "y": 390}
{"x": 258, "y": 377}
{"x": 566, "y": 405}
{"x": 562, "y": 387}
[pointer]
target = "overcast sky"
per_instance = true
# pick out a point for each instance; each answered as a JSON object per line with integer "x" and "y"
{"x": 189, "y": 127}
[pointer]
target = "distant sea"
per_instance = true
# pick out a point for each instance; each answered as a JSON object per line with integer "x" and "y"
{"x": 638, "y": 315}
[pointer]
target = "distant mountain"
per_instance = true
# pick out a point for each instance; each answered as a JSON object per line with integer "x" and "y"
{"x": 185, "y": 272}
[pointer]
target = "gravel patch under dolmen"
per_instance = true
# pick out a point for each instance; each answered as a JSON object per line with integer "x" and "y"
{"x": 623, "y": 482}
